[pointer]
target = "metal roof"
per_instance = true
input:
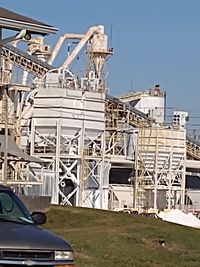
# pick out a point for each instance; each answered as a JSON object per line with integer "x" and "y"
{"x": 13, "y": 21}
{"x": 15, "y": 151}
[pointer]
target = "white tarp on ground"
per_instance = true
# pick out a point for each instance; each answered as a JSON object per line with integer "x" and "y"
{"x": 179, "y": 217}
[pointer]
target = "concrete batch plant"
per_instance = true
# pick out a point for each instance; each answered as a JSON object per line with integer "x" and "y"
{"x": 63, "y": 136}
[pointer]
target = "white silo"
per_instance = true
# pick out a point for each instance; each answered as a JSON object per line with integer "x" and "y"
{"x": 151, "y": 102}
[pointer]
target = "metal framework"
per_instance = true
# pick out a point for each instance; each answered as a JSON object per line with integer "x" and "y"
{"x": 72, "y": 144}
{"x": 81, "y": 133}
{"x": 27, "y": 62}
{"x": 193, "y": 149}
{"x": 161, "y": 167}
{"x": 119, "y": 113}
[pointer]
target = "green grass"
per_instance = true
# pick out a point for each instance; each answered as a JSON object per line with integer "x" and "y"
{"x": 108, "y": 239}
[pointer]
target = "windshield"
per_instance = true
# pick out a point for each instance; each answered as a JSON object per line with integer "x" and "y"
{"x": 12, "y": 209}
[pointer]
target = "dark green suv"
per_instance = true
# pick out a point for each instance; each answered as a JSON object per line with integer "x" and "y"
{"x": 22, "y": 242}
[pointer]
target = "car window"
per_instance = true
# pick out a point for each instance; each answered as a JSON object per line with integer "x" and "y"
{"x": 11, "y": 206}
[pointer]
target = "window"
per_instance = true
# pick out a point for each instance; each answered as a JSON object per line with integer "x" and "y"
{"x": 11, "y": 206}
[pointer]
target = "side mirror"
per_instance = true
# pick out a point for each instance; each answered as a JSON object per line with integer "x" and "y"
{"x": 38, "y": 217}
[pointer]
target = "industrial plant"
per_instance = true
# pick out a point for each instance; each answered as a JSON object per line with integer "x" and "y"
{"x": 62, "y": 134}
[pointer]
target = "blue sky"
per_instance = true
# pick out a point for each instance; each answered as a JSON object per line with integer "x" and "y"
{"x": 154, "y": 41}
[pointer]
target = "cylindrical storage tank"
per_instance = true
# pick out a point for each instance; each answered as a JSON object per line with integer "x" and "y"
{"x": 99, "y": 43}
{"x": 154, "y": 106}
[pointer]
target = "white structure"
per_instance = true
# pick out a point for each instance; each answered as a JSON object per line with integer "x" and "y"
{"x": 68, "y": 126}
{"x": 151, "y": 102}
{"x": 121, "y": 197}
{"x": 66, "y": 123}
{"x": 180, "y": 118}
{"x": 160, "y": 167}
{"x": 67, "y": 131}
{"x": 194, "y": 197}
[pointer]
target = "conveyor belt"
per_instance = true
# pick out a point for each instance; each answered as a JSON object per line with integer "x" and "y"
{"x": 139, "y": 119}
{"x": 193, "y": 148}
{"x": 39, "y": 68}
{"x": 122, "y": 110}
{"x": 25, "y": 61}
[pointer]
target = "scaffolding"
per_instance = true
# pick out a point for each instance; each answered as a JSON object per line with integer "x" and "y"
{"x": 161, "y": 167}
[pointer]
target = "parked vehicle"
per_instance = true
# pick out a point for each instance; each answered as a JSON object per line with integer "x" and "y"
{"x": 23, "y": 242}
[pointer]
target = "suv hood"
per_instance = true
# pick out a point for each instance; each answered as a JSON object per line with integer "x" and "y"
{"x": 27, "y": 236}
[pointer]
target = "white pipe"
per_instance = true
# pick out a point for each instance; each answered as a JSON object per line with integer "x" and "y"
{"x": 16, "y": 37}
{"x": 77, "y": 49}
{"x": 60, "y": 42}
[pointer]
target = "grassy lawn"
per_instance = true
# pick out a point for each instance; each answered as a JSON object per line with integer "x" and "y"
{"x": 102, "y": 238}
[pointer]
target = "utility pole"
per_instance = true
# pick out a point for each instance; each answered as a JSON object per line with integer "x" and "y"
{"x": 5, "y": 113}
{"x": 135, "y": 181}
{"x": 5, "y": 166}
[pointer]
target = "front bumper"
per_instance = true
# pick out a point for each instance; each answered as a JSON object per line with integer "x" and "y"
{"x": 32, "y": 263}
